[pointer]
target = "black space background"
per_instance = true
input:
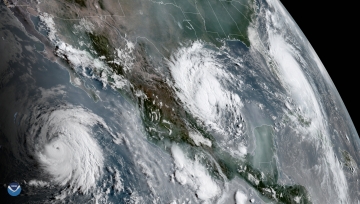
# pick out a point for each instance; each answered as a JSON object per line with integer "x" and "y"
{"x": 330, "y": 27}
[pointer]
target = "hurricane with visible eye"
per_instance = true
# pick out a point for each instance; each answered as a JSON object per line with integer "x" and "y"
{"x": 65, "y": 147}
{"x": 171, "y": 101}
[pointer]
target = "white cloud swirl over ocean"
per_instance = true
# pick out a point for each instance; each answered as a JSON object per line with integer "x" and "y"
{"x": 65, "y": 147}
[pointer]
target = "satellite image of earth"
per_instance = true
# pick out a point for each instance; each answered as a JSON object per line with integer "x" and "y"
{"x": 168, "y": 101}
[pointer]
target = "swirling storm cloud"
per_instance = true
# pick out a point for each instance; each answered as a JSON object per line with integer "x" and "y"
{"x": 182, "y": 101}
{"x": 65, "y": 148}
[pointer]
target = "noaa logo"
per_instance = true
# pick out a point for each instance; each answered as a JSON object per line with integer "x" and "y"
{"x": 14, "y": 189}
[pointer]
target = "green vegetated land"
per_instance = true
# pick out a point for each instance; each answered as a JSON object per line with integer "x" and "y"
{"x": 228, "y": 19}
{"x": 81, "y": 3}
{"x": 101, "y": 4}
{"x": 258, "y": 170}
{"x": 213, "y": 20}
{"x": 223, "y": 19}
{"x": 103, "y": 47}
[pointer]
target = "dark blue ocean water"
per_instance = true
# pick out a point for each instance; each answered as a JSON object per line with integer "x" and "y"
{"x": 22, "y": 77}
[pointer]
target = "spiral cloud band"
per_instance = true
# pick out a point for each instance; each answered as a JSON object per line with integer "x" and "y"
{"x": 67, "y": 150}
